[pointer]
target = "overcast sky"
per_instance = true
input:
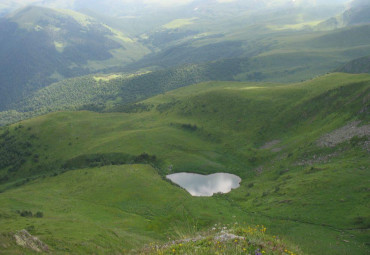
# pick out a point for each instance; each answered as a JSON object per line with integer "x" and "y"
{"x": 112, "y": 6}
{"x": 163, "y": 2}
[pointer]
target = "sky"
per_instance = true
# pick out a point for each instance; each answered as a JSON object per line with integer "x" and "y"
{"x": 116, "y": 5}
{"x": 165, "y": 2}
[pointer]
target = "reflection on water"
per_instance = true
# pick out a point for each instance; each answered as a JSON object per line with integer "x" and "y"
{"x": 206, "y": 185}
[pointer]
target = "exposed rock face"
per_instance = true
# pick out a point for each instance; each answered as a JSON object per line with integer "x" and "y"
{"x": 225, "y": 236}
{"x": 26, "y": 240}
{"x": 343, "y": 134}
{"x": 270, "y": 145}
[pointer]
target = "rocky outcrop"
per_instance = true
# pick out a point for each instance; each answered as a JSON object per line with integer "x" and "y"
{"x": 344, "y": 134}
{"x": 26, "y": 240}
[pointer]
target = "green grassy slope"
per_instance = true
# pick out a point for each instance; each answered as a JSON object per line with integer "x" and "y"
{"x": 112, "y": 92}
{"x": 278, "y": 56}
{"x": 106, "y": 210}
{"x": 286, "y": 45}
{"x": 293, "y": 56}
{"x": 314, "y": 196}
{"x": 258, "y": 52}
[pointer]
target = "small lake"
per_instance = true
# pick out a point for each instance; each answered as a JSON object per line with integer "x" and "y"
{"x": 206, "y": 185}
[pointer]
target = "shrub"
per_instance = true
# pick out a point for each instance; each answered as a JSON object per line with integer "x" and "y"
{"x": 189, "y": 127}
{"x": 26, "y": 213}
{"x": 39, "y": 215}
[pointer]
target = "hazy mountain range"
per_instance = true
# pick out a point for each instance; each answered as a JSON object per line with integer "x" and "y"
{"x": 40, "y": 46}
{"x": 101, "y": 100}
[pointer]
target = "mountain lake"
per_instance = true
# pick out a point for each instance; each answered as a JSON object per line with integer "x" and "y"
{"x": 206, "y": 185}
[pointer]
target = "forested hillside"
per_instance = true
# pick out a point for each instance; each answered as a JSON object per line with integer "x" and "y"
{"x": 40, "y": 46}
{"x": 114, "y": 92}
{"x": 283, "y": 62}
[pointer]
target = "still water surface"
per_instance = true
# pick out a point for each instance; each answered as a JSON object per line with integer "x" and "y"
{"x": 206, "y": 185}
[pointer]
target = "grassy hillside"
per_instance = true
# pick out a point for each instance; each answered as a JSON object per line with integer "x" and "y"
{"x": 275, "y": 56}
{"x": 114, "y": 92}
{"x": 302, "y": 178}
{"x": 119, "y": 209}
{"x": 277, "y": 46}
{"x": 109, "y": 210}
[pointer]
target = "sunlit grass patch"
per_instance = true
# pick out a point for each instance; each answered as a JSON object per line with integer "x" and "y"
{"x": 298, "y": 26}
{"x": 84, "y": 20}
{"x": 179, "y": 23}
{"x": 107, "y": 77}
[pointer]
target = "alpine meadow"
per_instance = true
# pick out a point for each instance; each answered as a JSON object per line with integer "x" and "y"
{"x": 185, "y": 127}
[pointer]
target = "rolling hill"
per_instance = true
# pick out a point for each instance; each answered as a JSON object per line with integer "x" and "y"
{"x": 41, "y": 46}
{"x": 100, "y": 101}
{"x": 290, "y": 58}
{"x": 301, "y": 150}
{"x": 284, "y": 56}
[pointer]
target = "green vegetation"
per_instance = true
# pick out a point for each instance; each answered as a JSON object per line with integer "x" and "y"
{"x": 179, "y": 23}
{"x": 270, "y": 134}
{"x": 288, "y": 61}
{"x": 116, "y": 92}
{"x": 179, "y": 55}
{"x": 109, "y": 209}
{"x": 40, "y": 46}
{"x": 108, "y": 106}
{"x": 227, "y": 239}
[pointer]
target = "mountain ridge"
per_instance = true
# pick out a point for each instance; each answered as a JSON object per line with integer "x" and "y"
{"x": 53, "y": 45}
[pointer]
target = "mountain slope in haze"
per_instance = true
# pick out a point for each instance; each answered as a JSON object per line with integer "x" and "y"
{"x": 357, "y": 14}
{"x": 40, "y": 46}
{"x": 285, "y": 33}
{"x": 114, "y": 92}
{"x": 300, "y": 149}
{"x": 51, "y": 45}
{"x": 276, "y": 56}
{"x": 360, "y": 65}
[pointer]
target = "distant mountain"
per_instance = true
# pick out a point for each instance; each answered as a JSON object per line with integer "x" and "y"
{"x": 359, "y": 65}
{"x": 116, "y": 92}
{"x": 39, "y": 46}
{"x": 359, "y": 3}
{"x": 360, "y": 14}
{"x": 357, "y": 14}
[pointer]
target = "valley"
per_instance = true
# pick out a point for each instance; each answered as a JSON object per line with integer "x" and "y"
{"x": 283, "y": 181}
{"x": 266, "y": 104}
